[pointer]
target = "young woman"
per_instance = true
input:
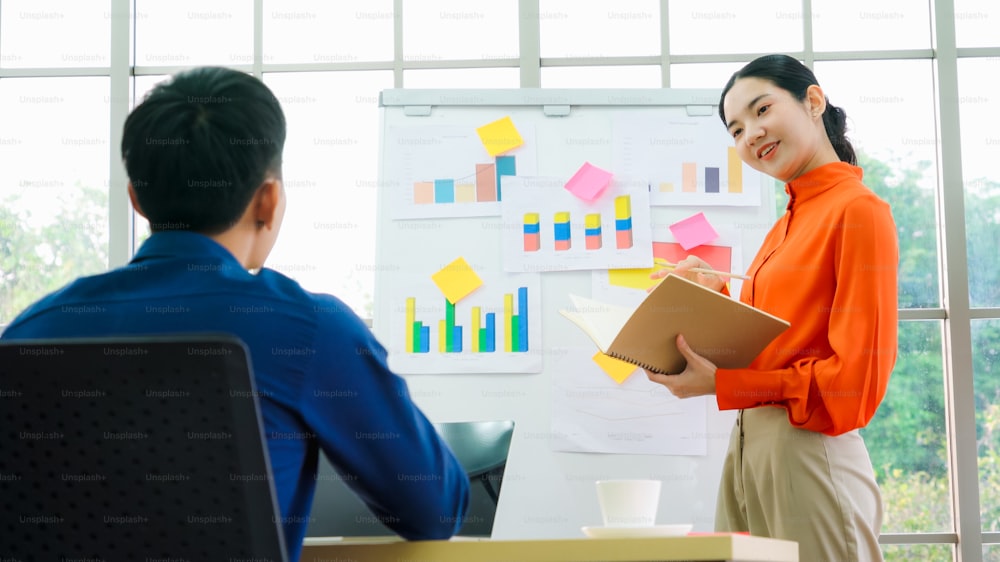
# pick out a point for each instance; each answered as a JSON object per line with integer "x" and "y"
{"x": 796, "y": 467}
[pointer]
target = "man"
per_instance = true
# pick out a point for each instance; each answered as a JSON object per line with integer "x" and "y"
{"x": 203, "y": 155}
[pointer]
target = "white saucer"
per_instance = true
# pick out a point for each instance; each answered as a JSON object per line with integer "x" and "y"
{"x": 637, "y": 532}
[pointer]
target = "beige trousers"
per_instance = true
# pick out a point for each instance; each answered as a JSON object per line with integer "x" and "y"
{"x": 794, "y": 484}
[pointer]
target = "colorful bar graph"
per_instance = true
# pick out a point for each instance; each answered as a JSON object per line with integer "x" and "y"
{"x": 735, "y": 171}
{"x": 482, "y": 333}
{"x": 506, "y": 166}
{"x": 485, "y": 188}
{"x": 711, "y": 180}
{"x": 562, "y": 237}
{"x": 623, "y": 222}
{"x": 592, "y": 231}
{"x": 532, "y": 232}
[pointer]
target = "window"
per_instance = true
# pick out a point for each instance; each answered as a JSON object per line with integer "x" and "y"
{"x": 884, "y": 63}
{"x": 54, "y": 200}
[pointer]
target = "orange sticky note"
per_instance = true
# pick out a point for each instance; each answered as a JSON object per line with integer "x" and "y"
{"x": 500, "y": 136}
{"x": 456, "y": 280}
{"x": 617, "y": 369}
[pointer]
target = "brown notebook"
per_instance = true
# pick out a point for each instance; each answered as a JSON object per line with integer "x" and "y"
{"x": 724, "y": 330}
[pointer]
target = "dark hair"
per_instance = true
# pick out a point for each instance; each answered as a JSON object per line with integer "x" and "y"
{"x": 199, "y": 146}
{"x": 789, "y": 74}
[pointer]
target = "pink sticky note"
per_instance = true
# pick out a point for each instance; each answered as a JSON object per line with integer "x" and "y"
{"x": 588, "y": 182}
{"x": 693, "y": 231}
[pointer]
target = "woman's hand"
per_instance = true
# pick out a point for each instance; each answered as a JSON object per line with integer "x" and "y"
{"x": 697, "y": 378}
{"x": 683, "y": 269}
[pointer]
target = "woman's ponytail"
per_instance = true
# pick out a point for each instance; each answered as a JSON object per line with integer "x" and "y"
{"x": 835, "y": 122}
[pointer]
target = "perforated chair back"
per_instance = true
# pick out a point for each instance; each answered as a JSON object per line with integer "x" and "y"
{"x": 133, "y": 449}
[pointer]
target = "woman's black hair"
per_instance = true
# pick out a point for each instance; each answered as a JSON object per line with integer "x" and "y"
{"x": 791, "y": 75}
{"x": 200, "y": 145}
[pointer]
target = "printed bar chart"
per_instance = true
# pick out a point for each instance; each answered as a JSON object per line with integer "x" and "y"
{"x": 482, "y": 335}
{"x": 623, "y": 222}
{"x": 712, "y": 176}
{"x": 485, "y": 188}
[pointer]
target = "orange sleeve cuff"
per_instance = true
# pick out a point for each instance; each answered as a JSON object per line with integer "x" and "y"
{"x": 744, "y": 388}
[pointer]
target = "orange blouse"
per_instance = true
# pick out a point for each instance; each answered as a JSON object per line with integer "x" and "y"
{"x": 829, "y": 267}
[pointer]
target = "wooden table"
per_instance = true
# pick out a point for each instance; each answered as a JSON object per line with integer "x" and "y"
{"x": 730, "y": 548}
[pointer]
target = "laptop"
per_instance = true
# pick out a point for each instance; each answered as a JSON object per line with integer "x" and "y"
{"x": 481, "y": 447}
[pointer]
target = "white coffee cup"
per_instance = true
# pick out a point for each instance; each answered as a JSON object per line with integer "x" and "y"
{"x": 628, "y": 503}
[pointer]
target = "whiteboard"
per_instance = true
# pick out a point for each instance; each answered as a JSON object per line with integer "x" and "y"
{"x": 427, "y": 135}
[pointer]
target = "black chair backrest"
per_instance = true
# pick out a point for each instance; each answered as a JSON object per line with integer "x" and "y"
{"x": 133, "y": 449}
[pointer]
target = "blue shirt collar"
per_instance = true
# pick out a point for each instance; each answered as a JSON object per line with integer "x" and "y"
{"x": 184, "y": 244}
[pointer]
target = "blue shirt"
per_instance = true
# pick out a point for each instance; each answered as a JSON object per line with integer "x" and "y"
{"x": 321, "y": 374}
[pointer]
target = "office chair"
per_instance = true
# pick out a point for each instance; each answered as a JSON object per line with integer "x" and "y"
{"x": 480, "y": 446}
{"x": 133, "y": 449}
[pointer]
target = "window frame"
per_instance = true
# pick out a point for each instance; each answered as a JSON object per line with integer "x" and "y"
{"x": 955, "y": 314}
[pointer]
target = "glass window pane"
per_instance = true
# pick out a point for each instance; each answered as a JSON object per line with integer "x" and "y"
{"x": 601, "y": 77}
{"x": 856, "y": 25}
{"x": 327, "y": 239}
{"x": 991, "y": 553}
{"x": 28, "y": 27}
{"x": 907, "y": 437}
{"x": 918, "y": 552}
{"x": 462, "y": 78}
{"x": 724, "y": 26}
{"x": 702, "y": 75}
{"x": 980, "y": 154}
{"x": 54, "y": 197}
{"x": 569, "y": 28}
{"x": 454, "y": 29}
{"x": 976, "y": 23}
{"x": 891, "y": 124}
{"x": 356, "y": 30}
{"x": 986, "y": 365}
{"x": 213, "y": 31}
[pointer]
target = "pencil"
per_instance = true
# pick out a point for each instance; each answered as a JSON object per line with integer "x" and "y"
{"x": 669, "y": 265}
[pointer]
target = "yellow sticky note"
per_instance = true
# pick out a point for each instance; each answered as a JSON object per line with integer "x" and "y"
{"x": 500, "y": 136}
{"x": 632, "y": 278}
{"x": 456, "y": 280}
{"x": 615, "y": 368}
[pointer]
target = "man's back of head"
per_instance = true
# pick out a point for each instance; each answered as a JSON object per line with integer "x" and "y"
{"x": 199, "y": 146}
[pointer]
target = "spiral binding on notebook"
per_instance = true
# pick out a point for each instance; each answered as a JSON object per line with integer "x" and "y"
{"x": 646, "y": 366}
